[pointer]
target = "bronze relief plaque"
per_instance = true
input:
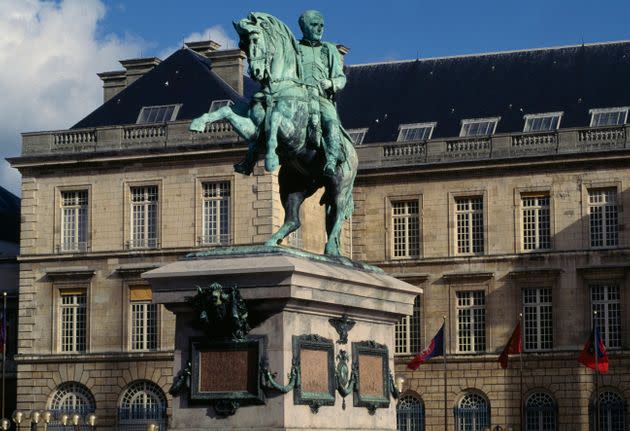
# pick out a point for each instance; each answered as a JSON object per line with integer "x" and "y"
{"x": 371, "y": 365}
{"x": 371, "y": 375}
{"x": 315, "y": 356}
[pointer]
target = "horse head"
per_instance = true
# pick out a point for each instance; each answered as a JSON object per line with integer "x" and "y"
{"x": 262, "y": 36}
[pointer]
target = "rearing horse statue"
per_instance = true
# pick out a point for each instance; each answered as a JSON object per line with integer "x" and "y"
{"x": 277, "y": 119}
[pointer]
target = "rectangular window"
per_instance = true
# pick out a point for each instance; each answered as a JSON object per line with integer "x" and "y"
{"x": 478, "y": 127}
{"x": 294, "y": 239}
{"x": 74, "y": 215}
{"x": 471, "y": 321}
{"x": 415, "y": 132}
{"x": 216, "y": 213}
{"x": 537, "y": 319}
{"x": 144, "y": 216}
{"x": 144, "y": 333}
{"x": 158, "y": 114}
{"x": 603, "y": 217}
{"x": 406, "y": 228}
{"x": 357, "y": 135}
{"x": 469, "y": 218}
{"x": 542, "y": 122}
{"x": 73, "y": 315}
{"x": 407, "y": 332}
{"x": 605, "y": 299}
{"x": 218, "y": 104}
{"x": 536, "y": 222}
{"x": 609, "y": 116}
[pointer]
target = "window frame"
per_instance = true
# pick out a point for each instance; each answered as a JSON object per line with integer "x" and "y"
{"x": 128, "y": 213}
{"x": 216, "y": 102}
{"x": 403, "y": 128}
{"x": 359, "y": 131}
{"x": 590, "y": 187}
{"x": 199, "y": 230}
{"x": 131, "y": 321}
{"x": 605, "y": 330}
{"x": 538, "y": 410}
{"x": 538, "y": 235}
{"x": 173, "y": 117}
{"x": 66, "y": 290}
{"x": 407, "y": 327}
{"x": 468, "y": 121}
{"x": 537, "y": 305}
{"x": 458, "y": 410}
{"x": 596, "y": 111}
{"x": 59, "y": 219}
{"x": 531, "y": 117}
{"x": 389, "y": 225}
{"x": 471, "y": 291}
{"x": 453, "y": 226}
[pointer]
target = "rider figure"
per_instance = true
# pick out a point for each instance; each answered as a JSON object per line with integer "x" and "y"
{"x": 323, "y": 75}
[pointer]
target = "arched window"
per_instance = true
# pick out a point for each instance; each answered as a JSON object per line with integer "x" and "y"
{"x": 612, "y": 412}
{"x": 540, "y": 412}
{"x": 410, "y": 414}
{"x": 472, "y": 413}
{"x": 141, "y": 403}
{"x": 70, "y": 398}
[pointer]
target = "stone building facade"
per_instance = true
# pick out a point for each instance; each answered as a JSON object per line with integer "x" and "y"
{"x": 523, "y": 212}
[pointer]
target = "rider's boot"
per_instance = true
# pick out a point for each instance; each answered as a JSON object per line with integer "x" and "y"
{"x": 246, "y": 166}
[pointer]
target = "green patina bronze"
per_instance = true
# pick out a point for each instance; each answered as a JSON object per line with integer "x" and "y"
{"x": 293, "y": 119}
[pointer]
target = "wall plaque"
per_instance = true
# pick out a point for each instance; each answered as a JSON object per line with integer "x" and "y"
{"x": 227, "y": 372}
{"x": 315, "y": 356}
{"x": 371, "y": 367}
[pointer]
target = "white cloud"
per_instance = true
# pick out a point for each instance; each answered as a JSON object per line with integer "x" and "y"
{"x": 216, "y": 33}
{"x": 49, "y": 57}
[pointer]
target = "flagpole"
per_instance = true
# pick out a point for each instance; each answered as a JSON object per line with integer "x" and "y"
{"x": 520, "y": 356}
{"x": 596, "y": 351}
{"x": 445, "y": 396}
{"x": 4, "y": 344}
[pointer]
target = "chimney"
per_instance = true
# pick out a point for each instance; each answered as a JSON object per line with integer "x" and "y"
{"x": 228, "y": 64}
{"x": 116, "y": 81}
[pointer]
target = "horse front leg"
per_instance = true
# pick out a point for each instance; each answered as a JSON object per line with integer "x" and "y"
{"x": 244, "y": 126}
{"x": 291, "y": 203}
{"x": 271, "y": 157}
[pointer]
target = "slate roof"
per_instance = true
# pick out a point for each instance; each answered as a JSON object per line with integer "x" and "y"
{"x": 184, "y": 77}
{"x": 507, "y": 85}
{"x": 9, "y": 216}
{"x": 382, "y": 96}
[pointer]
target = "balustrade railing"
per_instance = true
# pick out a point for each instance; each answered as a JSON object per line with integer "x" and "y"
{"x": 73, "y": 140}
{"x": 602, "y": 139}
{"x": 477, "y": 148}
{"x": 534, "y": 143}
{"x": 417, "y": 149}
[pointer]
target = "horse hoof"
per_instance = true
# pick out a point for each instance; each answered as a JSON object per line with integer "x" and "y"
{"x": 271, "y": 243}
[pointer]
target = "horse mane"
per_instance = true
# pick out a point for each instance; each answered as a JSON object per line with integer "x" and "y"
{"x": 277, "y": 31}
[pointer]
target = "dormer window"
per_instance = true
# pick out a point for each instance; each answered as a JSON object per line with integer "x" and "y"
{"x": 478, "y": 127}
{"x": 609, "y": 116}
{"x": 158, "y": 114}
{"x": 415, "y": 132}
{"x": 357, "y": 135}
{"x": 542, "y": 122}
{"x": 218, "y": 104}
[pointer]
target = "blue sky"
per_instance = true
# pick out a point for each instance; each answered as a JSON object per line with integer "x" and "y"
{"x": 397, "y": 29}
{"x": 51, "y": 50}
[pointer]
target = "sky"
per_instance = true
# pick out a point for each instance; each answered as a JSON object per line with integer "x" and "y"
{"x": 50, "y": 51}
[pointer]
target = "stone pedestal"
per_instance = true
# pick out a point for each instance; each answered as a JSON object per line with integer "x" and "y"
{"x": 287, "y": 294}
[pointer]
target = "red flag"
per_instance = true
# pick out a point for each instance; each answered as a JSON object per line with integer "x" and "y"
{"x": 587, "y": 356}
{"x": 514, "y": 345}
{"x": 435, "y": 348}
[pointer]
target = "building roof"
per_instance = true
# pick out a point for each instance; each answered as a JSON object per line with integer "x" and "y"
{"x": 9, "y": 216}
{"x": 382, "y": 96}
{"x": 184, "y": 77}
{"x": 572, "y": 79}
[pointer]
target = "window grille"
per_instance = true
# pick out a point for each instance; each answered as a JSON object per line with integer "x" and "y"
{"x": 157, "y": 114}
{"x": 472, "y": 413}
{"x": 611, "y": 411}
{"x": 144, "y": 328}
{"x": 415, "y": 132}
{"x": 218, "y": 104}
{"x": 542, "y": 122}
{"x": 603, "y": 217}
{"x": 410, "y": 414}
{"x": 469, "y": 217}
{"x": 73, "y": 315}
{"x": 71, "y": 398}
{"x": 406, "y": 224}
{"x": 294, "y": 239}
{"x": 74, "y": 207}
{"x": 216, "y": 213}
{"x": 536, "y": 223}
{"x": 605, "y": 300}
{"x": 478, "y": 127}
{"x": 407, "y": 332}
{"x": 144, "y": 216}
{"x": 142, "y": 403}
{"x": 357, "y": 135}
{"x": 537, "y": 319}
{"x": 609, "y": 116}
{"x": 540, "y": 413}
{"x": 471, "y": 321}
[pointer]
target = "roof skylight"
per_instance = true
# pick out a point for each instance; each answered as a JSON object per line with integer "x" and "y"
{"x": 415, "y": 132}
{"x": 158, "y": 114}
{"x": 542, "y": 122}
{"x": 609, "y": 116}
{"x": 478, "y": 127}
